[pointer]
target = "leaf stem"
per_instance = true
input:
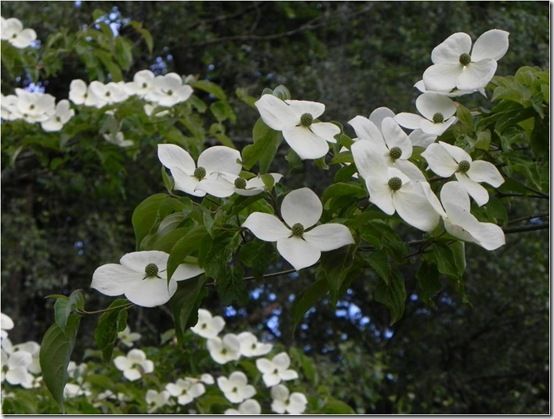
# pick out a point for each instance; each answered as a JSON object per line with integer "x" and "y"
{"x": 104, "y": 310}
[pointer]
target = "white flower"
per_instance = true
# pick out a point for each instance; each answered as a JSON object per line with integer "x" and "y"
{"x": 127, "y": 337}
{"x": 17, "y": 365}
{"x": 134, "y": 364}
{"x": 13, "y": 32}
{"x": 215, "y": 165}
{"x": 208, "y": 326}
{"x": 10, "y": 112}
{"x": 224, "y": 350}
{"x": 74, "y": 390}
{"x": 455, "y": 68}
{"x": 35, "y": 107}
{"x": 296, "y": 119}
{"x": 76, "y": 372}
{"x": 458, "y": 220}
{"x": 420, "y": 85}
{"x": 392, "y": 190}
{"x": 142, "y": 277}
{"x": 81, "y": 94}
{"x": 118, "y": 139}
{"x": 447, "y": 160}
{"x": 252, "y": 186}
{"x": 247, "y": 407}
{"x": 108, "y": 93}
{"x": 142, "y": 84}
{"x": 236, "y": 388}
{"x": 6, "y": 323}
{"x": 301, "y": 209}
{"x": 185, "y": 390}
{"x": 207, "y": 379}
{"x": 32, "y": 348}
{"x": 250, "y": 347}
{"x": 438, "y": 114}
{"x": 276, "y": 370}
{"x": 284, "y": 402}
{"x": 156, "y": 399}
{"x": 151, "y": 110}
{"x": 169, "y": 90}
{"x": 61, "y": 116}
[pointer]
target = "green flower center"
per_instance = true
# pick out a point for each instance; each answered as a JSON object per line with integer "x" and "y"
{"x": 463, "y": 166}
{"x": 297, "y": 230}
{"x": 144, "y": 85}
{"x": 306, "y": 120}
{"x": 438, "y": 118}
{"x": 275, "y": 371}
{"x": 169, "y": 92}
{"x": 224, "y": 351}
{"x": 31, "y": 107}
{"x": 240, "y": 183}
{"x": 108, "y": 94}
{"x": 395, "y": 153}
{"x": 253, "y": 346}
{"x": 151, "y": 270}
{"x": 234, "y": 389}
{"x": 58, "y": 119}
{"x": 465, "y": 59}
{"x": 395, "y": 183}
{"x": 200, "y": 173}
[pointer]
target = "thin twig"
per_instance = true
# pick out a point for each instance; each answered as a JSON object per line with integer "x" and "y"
{"x": 524, "y": 229}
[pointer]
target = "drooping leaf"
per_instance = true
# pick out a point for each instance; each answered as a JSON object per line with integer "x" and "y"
{"x": 184, "y": 304}
{"x": 109, "y": 325}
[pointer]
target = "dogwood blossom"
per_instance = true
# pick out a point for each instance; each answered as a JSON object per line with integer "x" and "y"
{"x": 247, "y": 407}
{"x": 169, "y": 90}
{"x": 108, "y": 94}
{"x": 215, "y": 165}
{"x": 6, "y": 323}
{"x": 34, "y": 106}
{"x": 61, "y": 116}
{"x": 17, "y": 365}
{"x": 142, "y": 84}
{"x": 250, "y": 347}
{"x": 81, "y": 94}
{"x": 186, "y": 390}
{"x": 142, "y": 277}
{"x": 447, "y": 160}
{"x": 392, "y": 190}
{"x": 301, "y": 209}
{"x": 252, "y": 186}
{"x": 72, "y": 390}
{"x": 156, "y": 400}
{"x": 297, "y": 120}
{"x": 276, "y": 370}
{"x": 12, "y": 31}
{"x": 225, "y": 349}
{"x": 284, "y": 402}
{"x": 438, "y": 114}
{"x": 458, "y": 220}
{"x": 9, "y": 109}
{"x": 32, "y": 348}
{"x": 457, "y": 65}
{"x": 236, "y": 388}
{"x": 127, "y": 337}
{"x": 134, "y": 364}
{"x": 208, "y": 326}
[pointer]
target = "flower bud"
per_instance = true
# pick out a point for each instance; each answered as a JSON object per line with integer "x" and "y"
{"x": 464, "y": 166}
{"x": 151, "y": 270}
{"x": 395, "y": 153}
{"x": 395, "y": 183}
{"x": 200, "y": 173}
{"x": 438, "y": 118}
{"x": 306, "y": 120}
{"x": 297, "y": 230}
{"x": 240, "y": 183}
{"x": 465, "y": 59}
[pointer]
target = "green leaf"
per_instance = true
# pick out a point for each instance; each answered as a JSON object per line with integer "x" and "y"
{"x": 209, "y": 87}
{"x": 186, "y": 246}
{"x": 266, "y": 143}
{"x": 184, "y": 304}
{"x": 55, "y": 353}
{"x": 334, "y": 406}
{"x": 146, "y": 35}
{"x": 307, "y": 300}
{"x": 379, "y": 262}
{"x": 64, "y": 306}
{"x": 428, "y": 282}
{"x": 450, "y": 259}
{"x": 334, "y": 267}
{"x": 392, "y": 295}
{"x": 110, "y": 323}
{"x": 282, "y": 92}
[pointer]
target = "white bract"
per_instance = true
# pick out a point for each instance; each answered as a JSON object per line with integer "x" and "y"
{"x": 247, "y": 407}
{"x": 420, "y": 85}
{"x": 250, "y": 347}
{"x": 142, "y": 84}
{"x": 185, "y": 390}
{"x": 236, "y": 388}
{"x": 438, "y": 114}
{"x": 207, "y": 379}
{"x": 208, "y": 326}
{"x": 142, "y": 278}
{"x": 134, "y": 364}
{"x": 252, "y": 186}
{"x": 284, "y": 402}
{"x": 35, "y": 107}
{"x": 457, "y": 66}
{"x": 168, "y": 90}
{"x": 297, "y": 120}
{"x": 301, "y": 209}
{"x": 127, "y": 337}
{"x": 225, "y": 349}
{"x": 32, "y": 348}
{"x": 12, "y": 30}
{"x": 8, "y": 104}
{"x": 392, "y": 190}
{"x": 17, "y": 365}
{"x": 216, "y": 165}
{"x": 118, "y": 139}
{"x": 61, "y": 116}
{"x": 156, "y": 399}
{"x": 108, "y": 94}
{"x": 81, "y": 94}
{"x": 6, "y": 323}
{"x": 458, "y": 220}
{"x": 276, "y": 370}
{"x": 447, "y": 160}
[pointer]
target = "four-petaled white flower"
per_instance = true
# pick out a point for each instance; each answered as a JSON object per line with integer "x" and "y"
{"x": 284, "y": 402}
{"x": 61, "y": 116}
{"x": 301, "y": 209}
{"x": 17, "y": 365}
{"x": 156, "y": 399}
{"x": 225, "y": 349}
{"x": 296, "y": 119}
{"x": 276, "y": 370}
{"x": 81, "y": 94}
{"x": 247, "y": 407}
{"x": 392, "y": 190}
{"x": 186, "y": 390}
{"x": 142, "y": 277}
{"x": 12, "y": 30}
{"x": 215, "y": 165}
{"x": 250, "y": 347}
{"x": 208, "y": 326}
{"x": 458, "y": 220}
{"x": 134, "y": 364}
{"x": 142, "y": 84}
{"x": 236, "y": 388}
{"x": 127, "y": 337}
{"x": 32, "y": 348}
{"x": 438, "y": 114}
{"x": 108, "y": 94}
{"x": 169, "y": 90}
{"x": 35, "y": 107}
{"x": 447, "y": 160}
{"x": 455, "y": 68}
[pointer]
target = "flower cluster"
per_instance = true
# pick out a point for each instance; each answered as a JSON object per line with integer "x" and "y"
{"x": 12, "y": 31}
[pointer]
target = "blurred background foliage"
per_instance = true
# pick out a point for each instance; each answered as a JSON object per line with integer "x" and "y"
{"x": 483, "y": 351}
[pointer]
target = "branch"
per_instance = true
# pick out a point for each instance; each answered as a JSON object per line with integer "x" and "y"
{"x": 524, "y": 229}
{"x": 515, "y": 195}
